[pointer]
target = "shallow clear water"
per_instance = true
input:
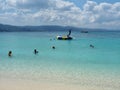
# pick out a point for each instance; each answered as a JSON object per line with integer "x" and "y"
{"x": 71, "y": 61}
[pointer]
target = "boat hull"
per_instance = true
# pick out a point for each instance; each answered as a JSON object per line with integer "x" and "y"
{"x": 64, "y": 38}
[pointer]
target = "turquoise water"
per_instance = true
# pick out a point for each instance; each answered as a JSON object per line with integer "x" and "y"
{"x": 72, "y": 61}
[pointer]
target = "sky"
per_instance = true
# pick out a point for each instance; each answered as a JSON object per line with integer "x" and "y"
{"x": 78, "y": 13}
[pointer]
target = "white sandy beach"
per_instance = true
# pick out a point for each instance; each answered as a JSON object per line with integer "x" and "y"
{"x": 18, "y": 84}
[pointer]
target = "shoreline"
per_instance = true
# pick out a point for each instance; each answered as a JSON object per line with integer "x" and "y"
{"x": 85, "y": 80}
{"x": 25, "y": 84}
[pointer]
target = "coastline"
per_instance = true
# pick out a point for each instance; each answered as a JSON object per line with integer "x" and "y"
{"x": 20, "y": 84}
{"x": 12, "y": 83}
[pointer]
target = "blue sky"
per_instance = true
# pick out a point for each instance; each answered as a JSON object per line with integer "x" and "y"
{"x": 78, "y": 13}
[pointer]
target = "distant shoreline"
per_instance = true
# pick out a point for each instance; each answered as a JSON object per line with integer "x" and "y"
{"x": 46, "y": 28}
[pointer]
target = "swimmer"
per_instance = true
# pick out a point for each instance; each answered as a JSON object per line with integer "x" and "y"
{"x": 35, "y": 51}
{"x": 10, "y": 53}
{"x": 91, "y": 46}
{"x": 53, "y": 47}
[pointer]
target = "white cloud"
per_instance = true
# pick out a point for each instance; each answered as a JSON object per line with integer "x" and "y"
{"x": 89, "y": 6}
{"x": 60, "y": 12}
{"x": 103, "y": 14}
{"x": 64, "y": 5}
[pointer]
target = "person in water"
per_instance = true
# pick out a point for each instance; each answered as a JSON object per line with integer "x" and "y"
{"x": 35, "y": 51}
{"x": 53, "y": 47}
{"x": 91, "y": 46}
{"x": 10, "y": 53}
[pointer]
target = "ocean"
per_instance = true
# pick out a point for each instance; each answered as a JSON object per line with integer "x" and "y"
{"x": 72, "y": 61}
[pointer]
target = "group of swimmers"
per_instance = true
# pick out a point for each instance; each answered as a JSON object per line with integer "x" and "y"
{"x": 35, "y": 51}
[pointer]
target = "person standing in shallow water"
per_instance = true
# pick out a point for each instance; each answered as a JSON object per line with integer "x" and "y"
{"x": 35, "y": 51}
{"x": 10, "y": 53}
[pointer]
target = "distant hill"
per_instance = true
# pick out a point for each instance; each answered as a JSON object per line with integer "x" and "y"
{"x": 10, "y": 28}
